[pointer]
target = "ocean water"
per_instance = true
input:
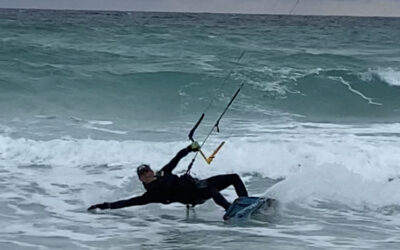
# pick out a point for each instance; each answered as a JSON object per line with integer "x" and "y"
{"x": 87, "y": 96}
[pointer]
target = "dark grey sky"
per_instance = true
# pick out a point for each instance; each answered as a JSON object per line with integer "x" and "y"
{"x": 306, "y": 7}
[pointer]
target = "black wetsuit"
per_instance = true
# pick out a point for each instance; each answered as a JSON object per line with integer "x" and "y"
{"x": 168, "y": 187}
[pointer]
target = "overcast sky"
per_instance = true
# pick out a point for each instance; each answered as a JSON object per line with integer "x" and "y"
{"x": 304, "y": 7}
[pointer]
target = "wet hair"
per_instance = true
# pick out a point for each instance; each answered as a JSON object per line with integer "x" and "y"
{"x": 142, "y": 169}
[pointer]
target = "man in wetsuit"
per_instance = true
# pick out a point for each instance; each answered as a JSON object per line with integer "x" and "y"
{"x": 166, "y": 187}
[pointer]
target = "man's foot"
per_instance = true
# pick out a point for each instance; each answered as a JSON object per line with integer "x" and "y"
{"x": 225, "y": 217}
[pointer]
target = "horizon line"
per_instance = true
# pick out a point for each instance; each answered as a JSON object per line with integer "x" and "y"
{"x": 198, "y": 12}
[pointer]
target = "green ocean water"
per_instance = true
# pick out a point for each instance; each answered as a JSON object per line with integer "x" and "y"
{"x": 124, "y": 66}
{"x": 86, "y": 96}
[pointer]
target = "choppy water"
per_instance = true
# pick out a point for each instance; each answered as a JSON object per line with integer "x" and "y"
{"x": 87, "y": 96}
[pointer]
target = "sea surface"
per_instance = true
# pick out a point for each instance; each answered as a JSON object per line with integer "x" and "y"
{"x": 87, "y": 96}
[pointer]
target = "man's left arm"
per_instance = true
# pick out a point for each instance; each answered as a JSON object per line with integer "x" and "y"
{"x": 182, "y": 153}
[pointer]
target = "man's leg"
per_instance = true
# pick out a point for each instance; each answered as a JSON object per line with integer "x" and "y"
{"x": 220, "y": 182}
{"x": 212, "y": 192}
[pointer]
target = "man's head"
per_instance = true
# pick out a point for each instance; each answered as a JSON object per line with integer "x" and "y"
{"x": 145, "y": 173}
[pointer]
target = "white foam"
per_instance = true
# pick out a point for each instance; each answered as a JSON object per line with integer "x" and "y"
{"x": 388, "y": 75}
{"x": 95, "y": 122}
{"x": 336, "y": 183}
{"x": 323, "y": 161}
{"x": 357, "y": 92}
{"x": 48, "y": 117}
{"x": 118, "y": 132}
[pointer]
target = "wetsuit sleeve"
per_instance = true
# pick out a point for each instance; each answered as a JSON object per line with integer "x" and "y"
{"x": 172, "y": 164}
{"x": 135, "y": 201}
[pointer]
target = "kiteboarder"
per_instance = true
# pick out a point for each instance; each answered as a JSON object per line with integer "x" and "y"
{"x": 165, "y": 187}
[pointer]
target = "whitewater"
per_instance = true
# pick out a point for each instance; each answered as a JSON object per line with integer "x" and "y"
{"x": 86, "y": 97}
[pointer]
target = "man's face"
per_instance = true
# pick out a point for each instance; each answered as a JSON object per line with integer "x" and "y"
{"x": 147, "y": 176}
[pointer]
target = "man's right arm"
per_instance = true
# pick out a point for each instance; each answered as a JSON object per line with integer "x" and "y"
{"x": 135, "y": 201}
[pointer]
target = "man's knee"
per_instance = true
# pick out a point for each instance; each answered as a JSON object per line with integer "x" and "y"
{"x": 235, "y": 177}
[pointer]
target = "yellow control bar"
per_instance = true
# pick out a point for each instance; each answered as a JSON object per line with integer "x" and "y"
{"x": 212, "y": 156}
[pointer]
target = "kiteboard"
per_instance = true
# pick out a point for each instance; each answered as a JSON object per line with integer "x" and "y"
{"x": 244, "y": 207}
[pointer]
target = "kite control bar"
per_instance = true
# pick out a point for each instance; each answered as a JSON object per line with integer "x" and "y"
{"x": 212, "y": 156}
{"x": 216, "y": 125}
